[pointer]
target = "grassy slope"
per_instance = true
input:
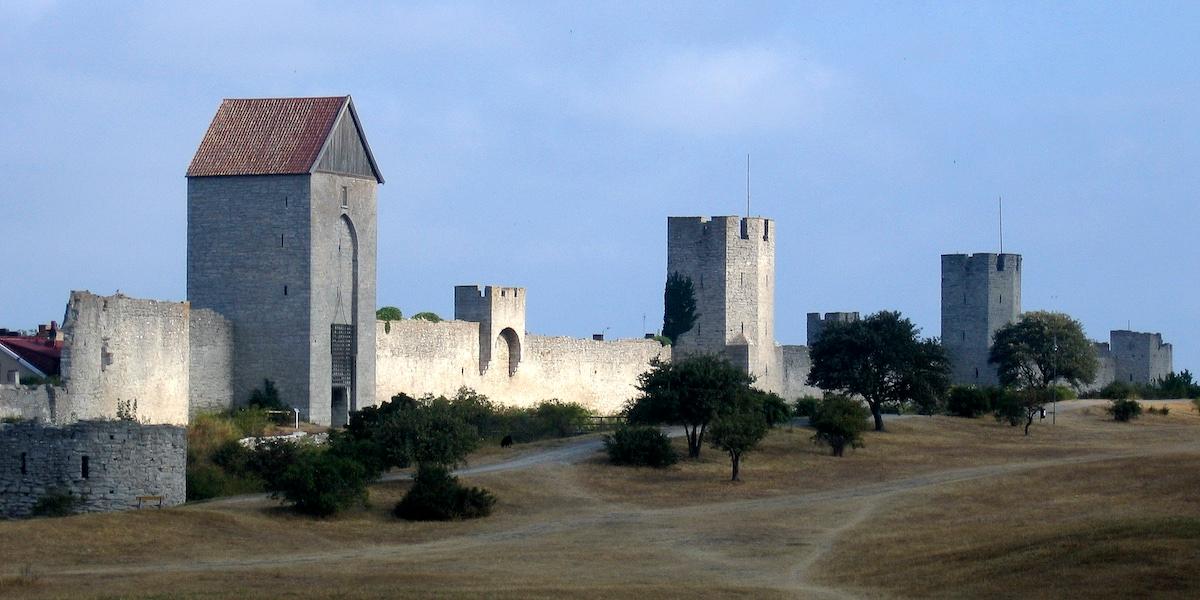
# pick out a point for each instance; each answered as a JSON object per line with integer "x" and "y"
{"x": 938, "y": 505}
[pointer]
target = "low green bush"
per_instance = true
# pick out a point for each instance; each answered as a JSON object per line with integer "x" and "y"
{"x": 436, "y": 495}
{"x": 968, "y": 401}
{"x": 640, "y": 445}
{"x": 56, "y": 503}
{"x": 320, "y": 483}
{"x": 775, "y": 409}
{"x": 1008, "y": 407}
{"x": 840, "y": 422}
{"x": 1063, "y": 393}
{"x": 1119, "y": 390}
{"x": 1161, "y": 410}
{"x": 1124, "y": 410}
{"x": 805, "y": 406}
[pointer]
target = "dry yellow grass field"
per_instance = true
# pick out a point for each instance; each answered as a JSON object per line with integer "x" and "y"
{"x": 933, "y": 507}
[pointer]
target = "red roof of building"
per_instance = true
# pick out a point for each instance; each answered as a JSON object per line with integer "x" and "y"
{"x": 266, "y": 136}
{"x": 45, "y": 355}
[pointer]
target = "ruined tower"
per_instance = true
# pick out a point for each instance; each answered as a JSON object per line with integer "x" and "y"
{"x": 981, "y": 293}
{"x": 731, "y": 262}
{"x": 282, "y": 242}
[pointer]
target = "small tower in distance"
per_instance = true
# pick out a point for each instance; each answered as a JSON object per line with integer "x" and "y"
{"x": 981, "y": 293}
{"x": 500, "y": 312}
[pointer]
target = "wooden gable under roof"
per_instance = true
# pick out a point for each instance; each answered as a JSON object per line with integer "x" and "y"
{"x": 285, "y": 136}
{"x": 345, "y": 151}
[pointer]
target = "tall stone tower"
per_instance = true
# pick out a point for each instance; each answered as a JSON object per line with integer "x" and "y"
{"x": 980, "y": 293}
{"x": 731, "y": 262}
{"x": 282, "y": 242}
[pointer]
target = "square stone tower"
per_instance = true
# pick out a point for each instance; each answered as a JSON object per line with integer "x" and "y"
{"x": 500, "y": 312}
{"x": 282, "y": 242}
{"x": 731, "y": 262}
{"x": 981, "y": 293}
{"x": 1140, "y": 357}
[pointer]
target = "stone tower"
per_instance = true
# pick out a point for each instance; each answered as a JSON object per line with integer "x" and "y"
{"x": 980, "y": 293}
{"x": 282, "y": 242}
{"x": 731, "y": 262}
{"x": 500, "y": 312}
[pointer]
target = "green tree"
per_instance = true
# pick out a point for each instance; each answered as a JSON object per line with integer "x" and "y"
{"x": 690, "y": 392}
{"x": 321, "y": 483}
{"x": 1041, "y": 348}
{"x": 427, "y": 316}
{"x": 840, "y": 422}
{"x": 1038, "y": 350}
{"x": 679, "y": 307}
{"x": 880, "y": 359}
{"x": 267, "y": 398}
{"x": 738, "y": 431}
{"x": 389, "y": 313}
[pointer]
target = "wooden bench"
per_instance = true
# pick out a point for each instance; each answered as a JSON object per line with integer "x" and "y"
{"x": 144, "y": 500}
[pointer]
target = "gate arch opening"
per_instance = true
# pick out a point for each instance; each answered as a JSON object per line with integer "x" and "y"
{"x": 508, "y": 346}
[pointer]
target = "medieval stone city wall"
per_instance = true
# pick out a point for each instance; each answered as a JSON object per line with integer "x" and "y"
{"x": 26, "y": 403}
{"x": 106, "y": 464}
{"x": 125, "y": 350}
{"x": 419, "y": 357}
{"x": 794, "y": 364}
{"x": 210, "y": 362}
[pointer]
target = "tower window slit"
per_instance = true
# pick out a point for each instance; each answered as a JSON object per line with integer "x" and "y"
{"x": 84, "y": 467}
{"x": 24, "y": 465}
{"x": 285, "y": 290}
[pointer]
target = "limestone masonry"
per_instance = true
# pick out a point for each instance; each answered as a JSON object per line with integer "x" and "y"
{"x": 980, "y": 294}
{"x": 104, "y": 464}
{"x": 281, "y": 275}
{"x": 731, "y": 262}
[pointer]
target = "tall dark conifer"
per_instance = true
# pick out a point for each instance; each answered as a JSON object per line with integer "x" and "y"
{"x": 679, "y": 306}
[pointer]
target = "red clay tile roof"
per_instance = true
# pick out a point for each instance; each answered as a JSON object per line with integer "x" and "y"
{"x": 266, "y": 136}
{"x": 43, "y": 354}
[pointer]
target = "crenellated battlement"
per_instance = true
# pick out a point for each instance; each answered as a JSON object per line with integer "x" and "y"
{"x": 500, "y": 312}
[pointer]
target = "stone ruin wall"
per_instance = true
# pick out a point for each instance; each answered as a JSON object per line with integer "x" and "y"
{"x": 119, "y": 349}
{"x": 419, "y": 357}
{"x": 124, "y": 460}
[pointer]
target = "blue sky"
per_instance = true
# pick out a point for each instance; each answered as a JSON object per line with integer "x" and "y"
{"x": 544, "y": 145}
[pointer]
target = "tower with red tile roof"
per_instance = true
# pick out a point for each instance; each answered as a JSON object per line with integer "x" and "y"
{"x": 282, "y": 242}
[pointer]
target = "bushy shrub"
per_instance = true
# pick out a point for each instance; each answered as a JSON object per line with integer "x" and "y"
{"x": 1124, "y": 409}
{"x": 1062, "y": 393}
{"x": 663, "y": 340}
{"x": 267, "y": 398}
{"x": 1008, "y": 407}
{"x": 250, "y": 421}
{"x": 640, "y": 445}
{"x": 427, "y": 316}
{"x": 840, "y": 422}
{"x": 1158, "y": 410}
{"x": 968, "y": 401}
{"x": 775, "y": 409}
{"x": 805, "y": 406}
{"x": 1119, "y": 390}
{"x": 548, "y": 419}
{"x": 321, "y": 483}
{"x": 56, "y": 503}
{"x": 436, "y": 495}
{"x": 389, "y": 313}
